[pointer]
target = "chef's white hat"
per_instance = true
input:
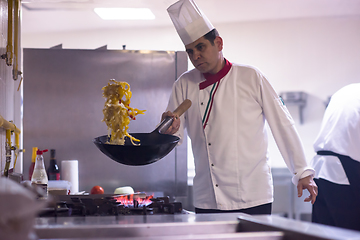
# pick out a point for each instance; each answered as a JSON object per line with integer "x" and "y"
{"x": 189, "y": 21}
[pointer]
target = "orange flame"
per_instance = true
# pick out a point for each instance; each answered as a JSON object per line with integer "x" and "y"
{"x": 128, "y": 200}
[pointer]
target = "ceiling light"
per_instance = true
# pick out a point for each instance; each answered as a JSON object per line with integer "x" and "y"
{"x": 124, "y": 13}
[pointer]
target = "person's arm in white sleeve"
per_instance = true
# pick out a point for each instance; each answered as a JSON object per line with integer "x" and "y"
{"x": 288, "y": 141}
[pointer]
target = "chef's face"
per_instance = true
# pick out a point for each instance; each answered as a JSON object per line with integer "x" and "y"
{"x": 205, "y": 56}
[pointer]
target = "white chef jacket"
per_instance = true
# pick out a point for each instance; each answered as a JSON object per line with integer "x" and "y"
{"x": 339, "y": 133}
{"x": 232, "y": 167}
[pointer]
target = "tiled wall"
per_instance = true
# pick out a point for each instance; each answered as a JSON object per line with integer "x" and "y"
{"x": 7, "y": 84}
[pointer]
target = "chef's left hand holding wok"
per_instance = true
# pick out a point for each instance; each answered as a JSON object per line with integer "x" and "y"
{"x": 175, "y": 124}
{"x": 309, "y": 184}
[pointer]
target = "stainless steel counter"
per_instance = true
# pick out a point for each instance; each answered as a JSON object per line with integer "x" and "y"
{"x": 186, "y": 226}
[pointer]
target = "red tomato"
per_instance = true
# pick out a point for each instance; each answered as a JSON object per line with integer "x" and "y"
{"x": 97, "y": 190}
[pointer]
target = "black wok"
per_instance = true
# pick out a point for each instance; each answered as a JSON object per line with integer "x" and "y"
{"x": 153, "y": 146}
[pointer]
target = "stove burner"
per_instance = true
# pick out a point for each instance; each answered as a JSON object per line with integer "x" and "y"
{"x": 141, "y": 211}
{"x": 109, "y": 206}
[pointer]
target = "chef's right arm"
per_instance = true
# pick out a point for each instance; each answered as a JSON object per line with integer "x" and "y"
{"x": 175, "y": 124}
{"x": 175, "y": 99}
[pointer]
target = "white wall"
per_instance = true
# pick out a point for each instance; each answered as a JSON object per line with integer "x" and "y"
{"x": 317, "y": 56}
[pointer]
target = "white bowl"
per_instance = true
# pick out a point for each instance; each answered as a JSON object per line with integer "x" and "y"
{"x": 124, "y": 190}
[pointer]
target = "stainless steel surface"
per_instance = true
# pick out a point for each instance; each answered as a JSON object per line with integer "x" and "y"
{"x": 203, "y": 236}
{"x": 283, "y": 192}
{"x": 63, "y": 110}
{"x": 187, "y": 226}
{"x": 137, "y": 226}
{"x": 295, "y": 229}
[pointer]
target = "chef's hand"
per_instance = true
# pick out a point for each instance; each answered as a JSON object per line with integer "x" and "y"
{"x": 309, "y": 184}
{"x": 175, "y": 124}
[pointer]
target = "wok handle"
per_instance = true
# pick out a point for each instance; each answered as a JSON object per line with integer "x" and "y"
{"x": 185, "y": 105}
{"x": 166, "y": 123}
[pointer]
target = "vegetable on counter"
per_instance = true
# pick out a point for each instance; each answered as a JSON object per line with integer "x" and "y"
{"x": 97, "y": 190}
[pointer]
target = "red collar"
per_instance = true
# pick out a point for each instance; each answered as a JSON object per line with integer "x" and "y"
{"x": 213, "y": 78}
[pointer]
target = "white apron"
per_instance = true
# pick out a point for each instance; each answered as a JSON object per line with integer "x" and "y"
{"x": 340, "y": 133}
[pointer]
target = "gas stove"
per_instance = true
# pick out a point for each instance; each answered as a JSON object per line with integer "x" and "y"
{"x": 109, "y": 205}
{"x": 139, "y": 216}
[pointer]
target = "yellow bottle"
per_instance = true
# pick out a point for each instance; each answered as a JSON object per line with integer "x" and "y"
{"x": 31, "y": 169}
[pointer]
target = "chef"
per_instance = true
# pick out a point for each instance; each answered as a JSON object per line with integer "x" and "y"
{"x": 226, "y": 123}
{"x": 337, "y": 162}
